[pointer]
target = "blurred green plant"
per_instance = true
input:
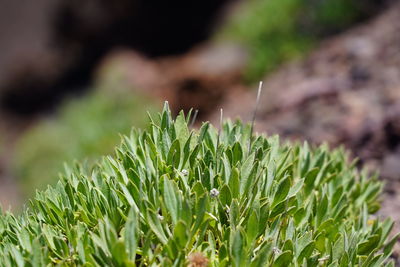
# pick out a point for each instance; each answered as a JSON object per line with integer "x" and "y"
{"x": 274, "y": 31}
{"x": 83, "y": 129}
{"x": 175, "y": 197}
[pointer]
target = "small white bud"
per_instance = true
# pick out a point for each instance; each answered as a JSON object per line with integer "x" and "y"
{"x": 185, "y": 172}
{"x": 214, "y": 192}
{"x": 228, "y": 210}
{"x": 276, "y": 250}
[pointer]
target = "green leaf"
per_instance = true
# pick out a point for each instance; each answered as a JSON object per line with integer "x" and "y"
{"x": 234, "y": 214}
{"x": 290, "y": 230}
{"x": 225, "y": 195}
{"x": 322, "y": 209}
{"x": 200, "y": 210}
{"x": 296, "y": 188}
{"x": 299, "y": 215}
{"x": 237, "y": 153}
{"x": 166, "y": 116}
{"x": 320, "y": 242}
{"x": 174, "y": 154}
{"x": 338, "y": 248}
{"x": 238, "y": 249}
{"x": 203, "y": 131}
{"x": 245, "y": 171}
{"x": 155, "y": 225}
{"x": 284, "y": 259}
{"x": 306, "y": 252}
{"x": 252, "y": 227}
{"x": 387, "y": 250}
{"x": 278, "y": 209}
{"x": 337, "y": 195}
{"x": 186, "y": 151}
{"x": 181, "y": 235}
{"x": 261, "y": 258}
{"x": 119, "y": 252}
{"x": 310, "y": 179}
{"x": 24, "y": 239}
{"x": 288, "y": 245}
{"x": 282, "y": 190}
{"x": 366, "y": 247}
{"x": 172, "y": 198}
{"x": 234, "y": 183}
{"x": 181, "y": 128}
{"x": 131, "y": 233}
{"x": 193, "y": 155}
{"x": 18, "y": 257}
{"x": 49, "y": 235}
{"x": 186, "y": 213}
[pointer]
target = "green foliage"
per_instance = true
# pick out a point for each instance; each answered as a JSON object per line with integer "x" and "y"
{"x": 85, "y": 128}
{"x": 172, "y": 197}
{"x": 275, "y": 31}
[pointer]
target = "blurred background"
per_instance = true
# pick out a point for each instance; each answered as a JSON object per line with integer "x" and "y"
{"x": 74, "y": 74}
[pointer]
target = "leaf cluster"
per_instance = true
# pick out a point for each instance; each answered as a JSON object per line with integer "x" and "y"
{"x": 175, "y": 197}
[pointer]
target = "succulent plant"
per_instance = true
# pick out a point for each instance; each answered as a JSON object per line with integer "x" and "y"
{"x": 171, "y": 196}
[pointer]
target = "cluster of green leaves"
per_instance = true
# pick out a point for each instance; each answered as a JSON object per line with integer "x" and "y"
{"x": 275, "y": 31}
{"x": 84, "y": 128}
{"x": 238, "y": 199}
